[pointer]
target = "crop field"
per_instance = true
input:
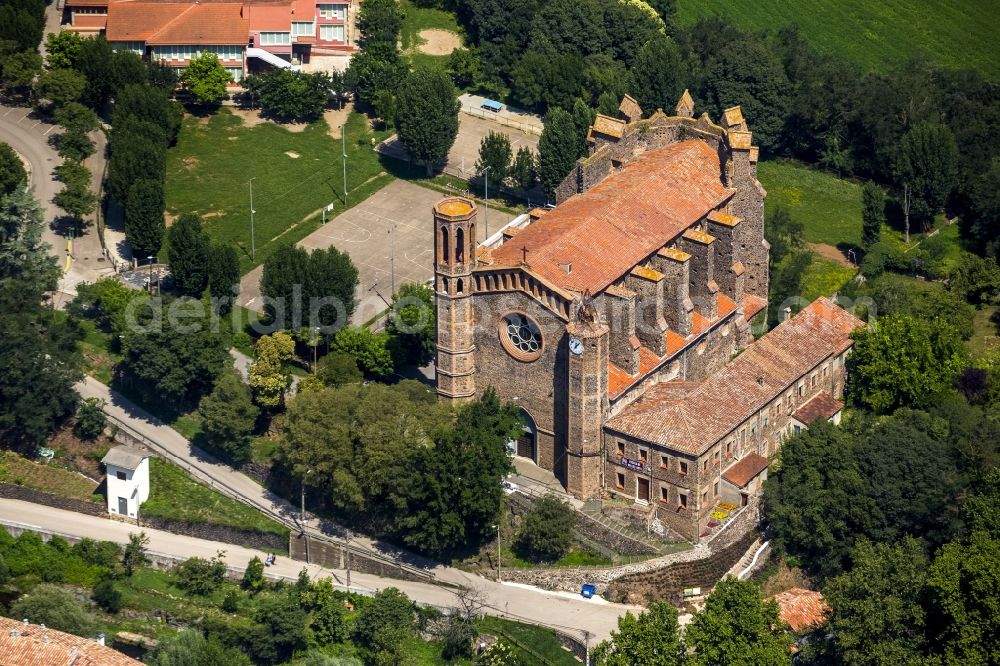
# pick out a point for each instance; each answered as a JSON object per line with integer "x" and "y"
{"x": 954, "y": 33}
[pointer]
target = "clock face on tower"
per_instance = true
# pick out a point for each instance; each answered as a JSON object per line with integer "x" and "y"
{"x": 575, "y": 345}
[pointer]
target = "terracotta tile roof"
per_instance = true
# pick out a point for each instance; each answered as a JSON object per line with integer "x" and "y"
{"x": 753, "y": 379}
{"x": 745, "y": 469}
{"x": 31, "y": 645}
{"x": 86, "y": 3}
{"x": 823, "y": 406}
{"x": 89, "y": 22}
{"x": 619, "y": 380}
{"x": 801, "y": 609}
{"x": 752, "y": 305}
{"x": 612, "y": 227}
{"x": 169, "y": 23}
{"x": 270, "y": 17}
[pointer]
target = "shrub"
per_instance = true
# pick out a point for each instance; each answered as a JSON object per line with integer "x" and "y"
{"x": 200, "y": 576}
{"x": 547, "y": 529}
{"x": 107, "y": 597}
{"x": 55, "y": 608}
{"x": 90, "y": 419}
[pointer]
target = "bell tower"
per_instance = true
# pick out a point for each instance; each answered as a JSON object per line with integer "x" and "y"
{"x": 454, "y": 259}
{"x": 587, "y": 339}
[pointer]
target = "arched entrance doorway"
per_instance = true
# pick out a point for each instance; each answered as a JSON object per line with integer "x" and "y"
{"x": 526, "y": 445}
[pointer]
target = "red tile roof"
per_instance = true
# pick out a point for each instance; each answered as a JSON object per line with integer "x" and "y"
{"x": 270, "y": 17}
{"x": 181, "y": 23}
{"x": 753, "y": 379}
{"x": 89, "y": 22}
{"x": 619, "y": 380}
{"x": 745, "y": 470}
{"x": 612, "y": 227}
{"x": 801, "y": 609}
{"x": 823, "y": 406}
{"x": 31, "y": 645}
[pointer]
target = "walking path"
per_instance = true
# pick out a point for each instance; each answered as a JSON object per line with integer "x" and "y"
{"x": 518, "y": 602}
{"x": 535, "y": 606}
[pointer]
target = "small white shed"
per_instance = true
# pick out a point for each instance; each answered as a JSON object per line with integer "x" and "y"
{"x": 128, "y": 480}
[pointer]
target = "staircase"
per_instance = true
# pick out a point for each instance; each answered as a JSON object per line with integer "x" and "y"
{"x": 270, "y": 58}
{"x": 592, "y": 509}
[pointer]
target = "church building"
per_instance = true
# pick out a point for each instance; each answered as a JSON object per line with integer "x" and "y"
{"x": 619, "y": 320}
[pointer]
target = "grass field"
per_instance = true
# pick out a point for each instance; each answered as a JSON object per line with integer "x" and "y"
{"x": 986, "y": 331}
{"x": 824, "y": 277}
{"x": 829, "y": 207}
{"x": 421, "y": 18}
{"x": 296, "y": 174}
{"x": 177, "y": 496}
{"x": 957, "y": 34}
{"x": 45, "y": 477}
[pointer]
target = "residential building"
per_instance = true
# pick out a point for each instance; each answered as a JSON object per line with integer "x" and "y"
{"x": 246, "y": 35}
{"x": 127, "y": 480}
{"x": 26, "y": 644}
{"x": 620, "y": 320}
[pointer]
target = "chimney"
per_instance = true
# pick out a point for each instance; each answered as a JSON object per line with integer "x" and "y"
{"x": 786, "y": 314}
{"x": 100, "y": 638}
{"x": 702, "y": 285}
{"x": 651, "y": 324}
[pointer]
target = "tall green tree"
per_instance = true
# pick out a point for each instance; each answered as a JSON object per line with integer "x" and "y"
{"x": 737, "y": 627}
{"x": 650, "y": 639}
{"x": 899, "y": 361}
{"x": 228, "y": 416}
{"x": 206, "y": 78}
{"x": 385, "y": 621}
{"x": 976, "y": 279}
{"x": 412, "y": 323}
{"x": 12, "y": 171}
{"x": 188, "y": 254}
{"x": 376, "y": 68}
{"x": 657, "y": 77}
{"x": 281, "y": 629}
{"x": 223, "y": 275}
{"x": 37, "y": 349}
{"x": 60, "y": 86}
{"x": 75, "y": 145}
{"x": 309, "y": 289}
{"x": 872, "y": 213}
{"x": 174, "y": 364}
{"x": 583, "y": 118}
{"x": 62, "y": 49}
{"x": 427, "y": 116}
{"x": 522, "y": 171}
{"x": 21, "y": 69}
{"x": 370, "y": 350}
{"x": 877, "y": 616}
{"x": 495, "y": 155}
{"x": 380, "y": 21}
{"x": 75, "y": 116}
{"x": 557, "y": 150}
{"x": 818, "y": 501}
{"x": 268, "y": 377}
{"x": 928, "y": 165}
{"x": 76, "y": 198}
{"x": 144, "y": 223}
{"x": 288, "y": 95}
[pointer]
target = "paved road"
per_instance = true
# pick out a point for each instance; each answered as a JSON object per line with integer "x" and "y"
{"x": 534, "y": 605}
{"x": 29, "y": 135}
{"x": 517, "y": 602}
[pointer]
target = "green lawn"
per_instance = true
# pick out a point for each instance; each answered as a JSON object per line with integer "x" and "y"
{"x": 535, "y": 645}
{"x": 422, "y": 18}
{"x": 46, "y": 477}
{"x": 296, "y": 174}
{"x": 955, "y": 33}
{"x": 986, "y": 332}
{"x": 824, "y": 277}
{"x": 829, "y": 207}
{"x": 177, "y": 496}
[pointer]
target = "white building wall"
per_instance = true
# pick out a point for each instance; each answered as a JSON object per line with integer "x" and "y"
{"x": 134, "y": 488}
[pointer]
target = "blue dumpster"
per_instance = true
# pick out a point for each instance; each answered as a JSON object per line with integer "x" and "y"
{"x": 588, "y": 591}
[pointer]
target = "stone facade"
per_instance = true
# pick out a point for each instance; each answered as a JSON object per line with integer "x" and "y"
{"x": 646, "y": 273}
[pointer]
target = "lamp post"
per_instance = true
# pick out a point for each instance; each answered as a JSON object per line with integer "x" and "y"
{"x": 498, "y": 551}
{"x": 150, "y": 258}
{"x": 343, "y": 157}
{"x": 253, "y": 248}
{"x": 302, "y": 513}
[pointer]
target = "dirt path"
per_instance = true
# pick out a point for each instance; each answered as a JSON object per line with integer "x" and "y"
{"x": 438, "y": 42}
{"x": 830, "y": 252}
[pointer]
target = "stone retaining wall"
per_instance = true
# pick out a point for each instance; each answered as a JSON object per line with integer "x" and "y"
{"x": 658, "y": 578}
{"x": 223, "y": 533}
{"x": 333, "y": 556}
{"x": 14, "y": 491}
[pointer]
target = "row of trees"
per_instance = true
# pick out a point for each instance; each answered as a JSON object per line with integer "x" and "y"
{"x": 395, "y": 462}
{"x": 915, "y": 127}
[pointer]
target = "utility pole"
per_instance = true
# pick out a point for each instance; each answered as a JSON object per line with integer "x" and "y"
{"x": 343, "y": 157}
{"x": 498, "y": 552}
{"x": 150, "y": 273}
{"x": 486, "y": 212}
{"x": 906, "y": 210}
{"x": 392, "y": 257}
{"x": 586, "y": 647}
{"x": 253, "y": 248}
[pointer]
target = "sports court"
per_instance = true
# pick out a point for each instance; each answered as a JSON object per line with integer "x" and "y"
{"x": 389, "y": 237}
